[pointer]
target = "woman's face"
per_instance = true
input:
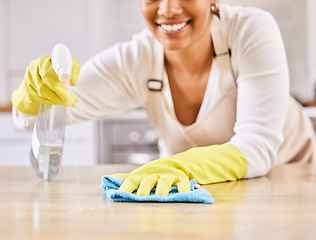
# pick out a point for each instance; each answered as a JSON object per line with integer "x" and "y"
{"x": 178, "y": 24}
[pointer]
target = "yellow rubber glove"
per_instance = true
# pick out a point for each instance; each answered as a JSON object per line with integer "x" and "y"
{"x": 216, "y": 163}
{"x": 42, "y": 86}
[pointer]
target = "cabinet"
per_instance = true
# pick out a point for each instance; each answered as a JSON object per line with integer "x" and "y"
{"x": 79, "y": 147}
{"x": 126, "y": 138}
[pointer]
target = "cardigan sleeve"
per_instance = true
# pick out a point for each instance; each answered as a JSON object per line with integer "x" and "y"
{"x": 112, "y": 81}
{"x": 260, "y": 65}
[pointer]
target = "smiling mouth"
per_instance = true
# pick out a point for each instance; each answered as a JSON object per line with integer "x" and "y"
{"x": 173, "y": 27}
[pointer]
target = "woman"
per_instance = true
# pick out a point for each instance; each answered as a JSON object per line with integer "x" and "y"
{"x": 214, "y": 82}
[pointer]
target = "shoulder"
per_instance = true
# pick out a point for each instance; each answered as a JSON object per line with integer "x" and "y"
{"x": 140, "y": 59}
{"x": 250, "y": 31}
{"x": 247, "y": 23}
{"x": 242, "y": 17}
{"x": 142, "y": 47}
{"x": 129, "y": 55}
{"x": 134, "y": 59}
{"x": 243, "y": 22}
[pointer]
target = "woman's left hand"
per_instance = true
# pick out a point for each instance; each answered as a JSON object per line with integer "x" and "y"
{"x": 216, "y": 163}
{"x": 162, "y": 174}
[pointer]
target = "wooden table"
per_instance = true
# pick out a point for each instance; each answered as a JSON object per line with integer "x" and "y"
{"x": 281, "y": 205}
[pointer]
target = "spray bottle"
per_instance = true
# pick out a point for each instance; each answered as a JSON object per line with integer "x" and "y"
{"x": 48, "y": 135}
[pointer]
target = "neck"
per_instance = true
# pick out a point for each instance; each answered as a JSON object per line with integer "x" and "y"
{"x": 193, "y": 58}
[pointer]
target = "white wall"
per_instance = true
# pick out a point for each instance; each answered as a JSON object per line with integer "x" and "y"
{"x": 33, "y": 27}
{"x": 3, "y": 97}
{"x": 29, "y": 29}
{"x": 311, "y": 43}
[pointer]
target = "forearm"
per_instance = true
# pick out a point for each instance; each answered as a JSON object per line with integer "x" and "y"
{"x": 216, "y": 163}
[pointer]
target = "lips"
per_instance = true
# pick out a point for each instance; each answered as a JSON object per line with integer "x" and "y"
{"x": 173, "y": 27}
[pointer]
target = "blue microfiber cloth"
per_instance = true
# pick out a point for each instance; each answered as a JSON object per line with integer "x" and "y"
{"x": 196, "y": 195}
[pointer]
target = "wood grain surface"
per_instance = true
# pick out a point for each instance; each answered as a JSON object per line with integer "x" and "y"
{"x": 281, "y": 205}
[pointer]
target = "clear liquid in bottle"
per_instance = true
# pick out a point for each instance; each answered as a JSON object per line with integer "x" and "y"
{"x": 48, "y": 134}
{"x": 47, "y": 142}
{"x": 49, "y": 157}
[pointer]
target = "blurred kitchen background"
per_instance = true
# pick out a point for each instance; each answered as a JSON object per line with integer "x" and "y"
{"x": 29, "y": 29}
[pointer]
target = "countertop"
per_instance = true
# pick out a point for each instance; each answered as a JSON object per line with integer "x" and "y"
{"x": 280, "y": 205}
{"x": 5, "y": 107}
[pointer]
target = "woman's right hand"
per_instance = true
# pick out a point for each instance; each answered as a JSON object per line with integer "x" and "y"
{"x": 42, "y": 86}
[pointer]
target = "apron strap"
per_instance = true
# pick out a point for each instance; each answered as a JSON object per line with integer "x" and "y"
{"x": 168, "y": 129}
{"x": 155, "y": 83}
{"x": 222, "y": 54}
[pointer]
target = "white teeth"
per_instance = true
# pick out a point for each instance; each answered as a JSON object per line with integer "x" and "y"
{"x": 173, "y": 27}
